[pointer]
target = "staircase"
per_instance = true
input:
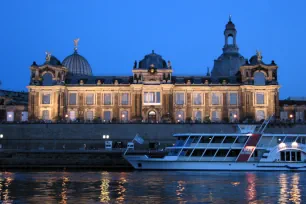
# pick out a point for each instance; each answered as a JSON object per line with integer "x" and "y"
{"x": 252, "y": 142}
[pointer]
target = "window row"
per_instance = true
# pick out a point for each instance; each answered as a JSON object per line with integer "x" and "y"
{"x": 198, "y": 116}
{"x": 151, "y": 98}
{"x": 89, "y": 115}
{"x": 198, "y": 98}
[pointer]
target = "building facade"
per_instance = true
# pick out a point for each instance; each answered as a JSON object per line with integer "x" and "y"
{"x": 13, "y": 106}
{"x": 236, "y": 89}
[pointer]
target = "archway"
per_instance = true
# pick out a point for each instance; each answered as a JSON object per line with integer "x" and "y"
{"x": 152, "y": 116}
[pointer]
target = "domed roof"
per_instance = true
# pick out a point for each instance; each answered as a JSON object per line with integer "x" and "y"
{"x": 153, "y": 59}
{"x": 77, "y": 65}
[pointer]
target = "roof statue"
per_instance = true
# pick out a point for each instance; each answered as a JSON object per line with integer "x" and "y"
{"x": 259, "y": 56}
{"x": 48, "y": 56}
{"x": 76, "y": 43}
{"x": 169, "y": 64}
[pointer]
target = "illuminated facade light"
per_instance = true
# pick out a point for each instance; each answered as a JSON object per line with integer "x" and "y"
{"x": 1, "y": 136}
{"x": 294, "y": 144}
{"x": 282, "y": 145}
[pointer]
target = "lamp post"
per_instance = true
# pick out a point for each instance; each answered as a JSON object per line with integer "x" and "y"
{"x": 1, "y": 137}
{"x": 235, "y": 118}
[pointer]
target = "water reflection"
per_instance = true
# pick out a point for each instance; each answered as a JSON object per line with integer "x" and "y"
{"x": 104, "y": 197}
{"x": 289, "y": 188}
{"x": 251, "y": 187}
{"x": 5, "y": 182}
{"x": 152, "y": 187}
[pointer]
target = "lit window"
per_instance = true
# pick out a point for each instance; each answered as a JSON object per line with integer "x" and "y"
{"x": 72, "y": 99}
{"x": 72, "y": 115}
{"x": 260, "y": 98}
{"x": 215, "y": 99}
{"x": 179, "y": 98}
{"x": 107, "y": 99}
{"x": 233, "y": 116}
{"x": 197, "y": 99}
{"x": 215, "y": 116}
{"x": 45, "y": 115}
{"x": 283, "y": 115}
{"x": 198, "y": 116}
{"x": 89, "y": 99}
{"x": 180, "y": 116}
{"x": 151, "y": 97}
{"x": 124, "y": 116}
{"x": 89, "y": 115}
{"x": 125, "y": 99}
{"x": 233, "y": 98}
{"x": 260, "y": 115}
{"x": 46, "y": 98}
{"x": 107, "y": 116}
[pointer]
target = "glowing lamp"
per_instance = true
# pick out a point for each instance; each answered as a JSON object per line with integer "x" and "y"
{"x": 294, "y": 144}
{"x": 1, "y": 136}
{"x": 282, "y": 145}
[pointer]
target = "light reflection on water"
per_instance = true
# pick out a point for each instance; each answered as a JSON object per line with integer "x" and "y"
{"x": 152, "y": 187}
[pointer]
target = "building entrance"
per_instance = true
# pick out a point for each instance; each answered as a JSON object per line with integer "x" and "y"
{"x": 152, "y": 117}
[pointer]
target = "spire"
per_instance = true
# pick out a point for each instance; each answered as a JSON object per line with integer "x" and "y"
{"x": 153, "y": 52}
{"x": 230, "y": 18}
{"x": 76, "y": 43}
{"x": 208, "y": 72}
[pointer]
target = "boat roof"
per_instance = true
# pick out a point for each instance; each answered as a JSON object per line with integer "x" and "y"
{"x": 236, "y": 134}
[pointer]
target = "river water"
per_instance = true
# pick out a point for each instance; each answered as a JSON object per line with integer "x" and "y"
{"x": 153, "y": 187}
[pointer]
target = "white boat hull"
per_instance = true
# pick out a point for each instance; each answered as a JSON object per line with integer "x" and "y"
{"x": 145, "y": 163}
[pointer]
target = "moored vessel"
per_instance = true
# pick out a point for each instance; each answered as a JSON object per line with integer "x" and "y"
{"x": 248, "y": 149}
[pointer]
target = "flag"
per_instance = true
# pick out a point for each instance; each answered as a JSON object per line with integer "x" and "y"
{"x": 138, "y": 139}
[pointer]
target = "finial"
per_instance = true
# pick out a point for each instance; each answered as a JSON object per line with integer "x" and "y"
{"x": 208, "y": 72}
{"x": 48, "y": 56}
{"x": 152, "y": 51}
{"x": 76, "y": 43}
{"x": 230, "y": 18}
{"x": 259, "y": 56}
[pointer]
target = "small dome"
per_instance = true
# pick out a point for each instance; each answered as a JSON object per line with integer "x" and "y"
{"x": 77, "y": 65}
{"x": 153, "y": 59}
{"x": 230, "y": 26}
{"x": 53, "y": 61}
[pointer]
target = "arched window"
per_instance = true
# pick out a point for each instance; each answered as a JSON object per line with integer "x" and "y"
{"x": 47, "y": 79}
{"x": 259, "y": 79}
{"x": 230, "y": 40}
{"x": 124, "y": 116}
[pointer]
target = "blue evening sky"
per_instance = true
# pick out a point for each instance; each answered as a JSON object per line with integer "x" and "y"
{"x": 113, "y": 34}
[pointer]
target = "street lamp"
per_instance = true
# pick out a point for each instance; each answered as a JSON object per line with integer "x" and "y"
{"x": 1, "y": 136}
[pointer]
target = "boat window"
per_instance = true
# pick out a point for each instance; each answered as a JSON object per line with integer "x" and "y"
{"x": 298, "y": 156}
{"x": 288, "y": 156}
{"x": 210, "y": 152}
{"x": 229, "y": 139}
{"x": 222, "y": 152}
{"x": 174, "y": 152}
{"x": 217, "y": 139}
{"x": 196, "y": 139}
{"x": 290, "y": 139}
{"x": 206, "y": 139}
{"x": 197, "y": 152}
{"x": 234, "y": 153}
{"x": 187, "y": 152}
{"x": 242, "y": 139}
{"x": 282, "y": 156}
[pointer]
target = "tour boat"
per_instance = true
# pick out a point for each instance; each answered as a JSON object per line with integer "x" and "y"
{"x": 248, "y": 149}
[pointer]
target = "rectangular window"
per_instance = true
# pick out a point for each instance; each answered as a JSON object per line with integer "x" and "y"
{"x": 151, "y": 97}
{"x": 260, "y": 115}
{"x": 46, "y": 98}
{"x": 260, "y": 98}
{"x": 215, "y": 99}
{"x": 299, "y": 116}
{"x": 72, "y": 98}
{"x": 179, "y": 98}
{"x": 107, "y": 99}
{"x": 125, "y": 99}
{"x": 10, "y": 116}
{"x": 197, "y": 99}
{"x": 89, "y": 115}
{"x": 233, "y": 98}
{"x": 89, "y": 99}
{"x": 215, "y": 116}
{"x": 233, "y": 116}
{"x": 124, "y": 116}
{"x": 45, "y": 115}
{"x": 198, "y": 116}
{"x": 283, "y": 115}
{"x": 107, "y": 116}
{"x": 72, "y": 115}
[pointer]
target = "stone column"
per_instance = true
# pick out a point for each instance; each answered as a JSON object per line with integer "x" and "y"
{"x": 188, "y": 106}
{"x": 225, "y": 107}
{"x": 207, "y": 102}
{"x": 81, "y": 106}
{"x": 98, "y": 106}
